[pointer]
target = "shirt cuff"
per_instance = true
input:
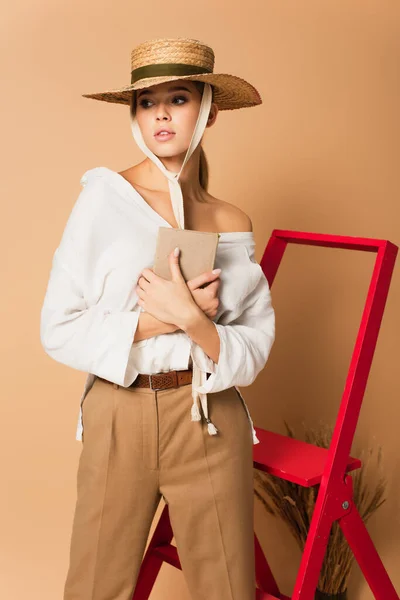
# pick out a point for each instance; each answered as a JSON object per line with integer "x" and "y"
{"x": 114, "y": 364}
{"x": 220, "y": 378}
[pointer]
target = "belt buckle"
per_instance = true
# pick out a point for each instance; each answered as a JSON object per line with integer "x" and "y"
{"x": 164, "y": 388}
{"x": 151, "y": 385}
{"x": 155, "y": 389}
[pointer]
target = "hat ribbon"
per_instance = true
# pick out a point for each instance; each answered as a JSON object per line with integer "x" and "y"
{"x": 160, "y": 69}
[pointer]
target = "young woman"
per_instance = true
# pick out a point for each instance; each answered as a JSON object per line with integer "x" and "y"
{"x": 153, "y": 347}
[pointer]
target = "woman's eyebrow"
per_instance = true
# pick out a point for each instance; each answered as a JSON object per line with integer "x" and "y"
{"x": 175, "y": 88}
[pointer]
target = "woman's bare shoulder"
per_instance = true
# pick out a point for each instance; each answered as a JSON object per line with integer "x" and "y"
{"x": 230, "y": 217}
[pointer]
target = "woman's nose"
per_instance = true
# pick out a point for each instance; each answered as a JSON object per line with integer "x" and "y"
{"x": 162, "y": 112}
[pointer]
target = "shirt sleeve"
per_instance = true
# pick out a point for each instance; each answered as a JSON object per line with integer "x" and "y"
{"x": 93, "y": 339}
{"x": 245, "y": 343}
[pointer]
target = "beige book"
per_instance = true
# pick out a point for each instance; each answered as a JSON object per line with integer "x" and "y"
{"x": 197, "y": 251}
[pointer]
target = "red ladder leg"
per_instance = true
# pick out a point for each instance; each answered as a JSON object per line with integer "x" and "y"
{"x": 264, "y": 579}
{"x": 367, "y": 557}
{"x": 152, "y": 561}
{"x": 314, "y": 550}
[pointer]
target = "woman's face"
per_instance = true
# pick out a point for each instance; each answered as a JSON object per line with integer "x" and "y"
{"x": 173, "y": 105}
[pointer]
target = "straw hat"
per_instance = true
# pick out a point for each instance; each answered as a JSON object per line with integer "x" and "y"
{"x": 169, "y": 59}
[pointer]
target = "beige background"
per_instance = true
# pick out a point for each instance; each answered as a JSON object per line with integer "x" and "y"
{"x": 320, "y": 154}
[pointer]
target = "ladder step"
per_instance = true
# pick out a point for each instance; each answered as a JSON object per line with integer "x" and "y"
{"x": 292, "y": 459}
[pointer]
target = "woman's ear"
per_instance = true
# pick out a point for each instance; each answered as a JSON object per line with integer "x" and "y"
{"x": 212, "y": 115}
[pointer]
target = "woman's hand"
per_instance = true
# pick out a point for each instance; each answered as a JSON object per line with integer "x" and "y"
{"x": 206, "y": 298}
{"x": 168, "y": 301}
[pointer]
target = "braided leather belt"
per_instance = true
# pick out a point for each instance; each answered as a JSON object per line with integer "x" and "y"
{"x": 161, "y": 381}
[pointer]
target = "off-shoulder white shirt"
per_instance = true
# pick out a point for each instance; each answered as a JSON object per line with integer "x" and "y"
{"x": 90, "y": 312}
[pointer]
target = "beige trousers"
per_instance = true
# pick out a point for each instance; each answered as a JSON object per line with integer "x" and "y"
{"x": 140, "y": 445}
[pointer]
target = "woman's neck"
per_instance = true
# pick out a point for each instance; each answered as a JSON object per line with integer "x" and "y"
{"x": 149, "y": 176}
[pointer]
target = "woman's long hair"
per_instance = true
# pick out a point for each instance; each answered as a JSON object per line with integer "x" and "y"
{"x": 203, "y": 162}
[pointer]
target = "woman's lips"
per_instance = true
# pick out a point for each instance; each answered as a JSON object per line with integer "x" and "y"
{"x": 163, "y": 137}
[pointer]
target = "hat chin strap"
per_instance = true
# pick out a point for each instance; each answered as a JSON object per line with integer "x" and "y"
{"x": 173, "y": 178}
{"x": 199, "y": 376}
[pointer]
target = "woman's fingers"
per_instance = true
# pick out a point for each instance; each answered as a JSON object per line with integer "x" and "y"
{"x": 212, "y": 287}
{"x": 202, "y": 279}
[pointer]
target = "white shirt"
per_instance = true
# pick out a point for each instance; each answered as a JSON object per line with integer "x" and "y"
{"x": 90, "y": 311}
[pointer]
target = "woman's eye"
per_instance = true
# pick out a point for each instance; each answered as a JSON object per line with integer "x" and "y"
{"x": 143, "y": 103}
{"x": 180, "y": 98}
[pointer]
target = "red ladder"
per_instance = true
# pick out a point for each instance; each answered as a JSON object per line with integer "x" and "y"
{"x": 306, "y": 464}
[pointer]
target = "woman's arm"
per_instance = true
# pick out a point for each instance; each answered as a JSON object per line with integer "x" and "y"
{"x": 149, "y": 326}
{"x": 244, "y": 344}
{"x": 201, "y": 330}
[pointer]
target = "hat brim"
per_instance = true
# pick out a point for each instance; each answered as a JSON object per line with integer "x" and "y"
{"x": 230, "y": 92}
